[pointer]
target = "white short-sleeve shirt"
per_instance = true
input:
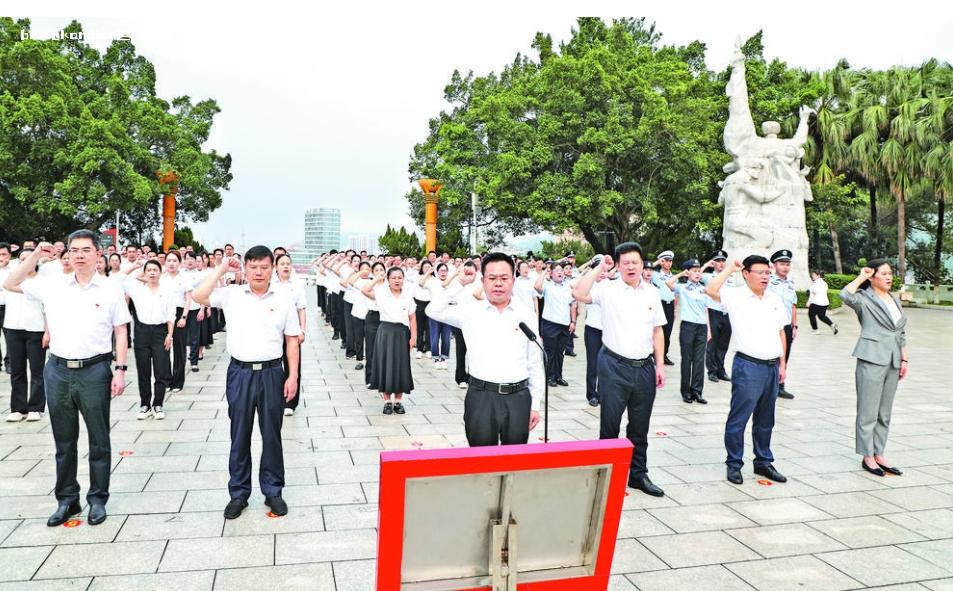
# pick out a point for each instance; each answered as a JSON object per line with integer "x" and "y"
{"x": 80, "y": 318}
{"x": 629, "y": 316}
{"x": 152, "y": 307}
{"x": 558, "y": 297}
{"x": 257, "y": 325}
{"x": 394, "y": 308}
{"x": 756, "y": 322}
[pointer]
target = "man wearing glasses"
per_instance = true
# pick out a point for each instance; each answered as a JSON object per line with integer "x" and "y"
{"x": 84, "y": 310}
{"x": 757, "y": 319}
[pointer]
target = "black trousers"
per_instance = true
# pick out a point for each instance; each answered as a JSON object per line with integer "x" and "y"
{"x": 179, "y": 337}
{"x": 71, "y": 393}
{"x": 423, "y": 326}
{"x": 194, "y": 336}
{"x": 691, "y": 339}
{"x": 357, "y": 327}
{"x": 555, "y": 337}
{"x": 348, "y": 330}
{"x": 24, "y": 346}
{"x": 3, "y": 313}
{"x": 491, "y": 418}
{"x": 151, "y": 355}
{"x": 570, "y": 344}
{"x": 815, "y": 313}
{"x": 718, "y": 343}
{"x": 249, "y": 391}
{"x": 623, "y": 387}
{"x": 293, "y": 403}
{"x": 669, "y": 309}
{"x": 333, "y": 313}
{"x": 788, "y": 340}
{"x": 339, "y": 314}
{"x": 460, "y": 350}
{"x": 593, "y": 340}
{"x": 371, "y": 323}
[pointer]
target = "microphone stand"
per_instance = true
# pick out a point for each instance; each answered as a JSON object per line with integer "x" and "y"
{"x": 545, "y": 393}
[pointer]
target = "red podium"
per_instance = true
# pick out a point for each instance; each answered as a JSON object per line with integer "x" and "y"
{"x": 519, "y": 517}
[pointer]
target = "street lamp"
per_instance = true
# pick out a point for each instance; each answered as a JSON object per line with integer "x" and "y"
{"x": 431, "y": 189}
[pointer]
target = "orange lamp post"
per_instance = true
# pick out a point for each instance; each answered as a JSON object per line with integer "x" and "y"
{"x": 170, "y": 179}
{"x": 431, "y": 189}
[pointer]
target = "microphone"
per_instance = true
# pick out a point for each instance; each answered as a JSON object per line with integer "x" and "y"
{"x": 528, "y": 332}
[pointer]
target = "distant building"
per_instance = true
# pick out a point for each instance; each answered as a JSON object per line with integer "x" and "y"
{"x": 361, "y": 242}
{"x": 322, "y": 229}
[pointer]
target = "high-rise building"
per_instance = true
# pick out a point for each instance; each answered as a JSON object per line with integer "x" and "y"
{"x": 361, "y": 242}
{"x": 322, "y": 229}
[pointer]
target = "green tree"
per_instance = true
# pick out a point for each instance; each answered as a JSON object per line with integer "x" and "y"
{"x": 83, "y": 133}
{"x": 558, "y": 249}
{"x": 183, "y": 237}
{"x": 400, "y": 242}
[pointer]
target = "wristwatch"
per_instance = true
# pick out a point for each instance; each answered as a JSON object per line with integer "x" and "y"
{"x": 122, "y": 367}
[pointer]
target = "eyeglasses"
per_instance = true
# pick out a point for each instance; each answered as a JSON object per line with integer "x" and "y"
{"x": 87, "y": 250}
{"x": 765, "y": 272}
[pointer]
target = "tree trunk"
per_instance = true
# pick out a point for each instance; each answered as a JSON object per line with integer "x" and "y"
{"x": 938, "y": 252}
{"x": 835, "y": 244}
{"x": 872, "y": 230}
{"x": 817, "y": 250}
{"x": 592, "y": 237}
{"x": 902, "y": 236}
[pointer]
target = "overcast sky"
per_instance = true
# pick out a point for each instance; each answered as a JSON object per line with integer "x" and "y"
{"x": 321, "y": 106}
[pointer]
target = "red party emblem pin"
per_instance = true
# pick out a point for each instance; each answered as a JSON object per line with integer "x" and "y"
{"x": 765, "y": 483}
{"x": 73, "y": 523}
{"x": 661, "y": 433}
{"x": 126, "y": 453}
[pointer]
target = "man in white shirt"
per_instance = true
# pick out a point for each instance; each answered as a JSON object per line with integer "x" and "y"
{"x": 506, "y": 372}
{"x": 558, "y": 321}
{"x": 630, "y": 364}
{"x": 758, "y": 319}
{"x": 261, "y": 320}
{"x": 84, "y": 311}
{"x": 5, "y": 269}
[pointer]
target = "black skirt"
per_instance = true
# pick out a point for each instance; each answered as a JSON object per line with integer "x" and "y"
{"x": 390, "y": 372}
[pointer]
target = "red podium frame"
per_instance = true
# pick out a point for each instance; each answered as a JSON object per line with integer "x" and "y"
{"x": 399, "y": 466}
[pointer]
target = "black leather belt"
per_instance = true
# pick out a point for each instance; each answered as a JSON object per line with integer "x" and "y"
{"x": 498, "y": 388}
{"x": 626, "y": 360}
{"x": 81, "y": 363}
{"x": 257, "y": 365}
{"x": 757, "y": 360}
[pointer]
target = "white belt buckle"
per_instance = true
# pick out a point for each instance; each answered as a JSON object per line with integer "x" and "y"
{"x": 74, "y": 364}
{"x": 256, "y": 366}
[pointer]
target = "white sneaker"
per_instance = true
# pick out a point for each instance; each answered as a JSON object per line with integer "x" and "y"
{"x": 462, "y": 385}
{"x": 443, "y": 364}
{"x": 427, "y": 355}
{"x": 159, "y": 413}
{"x": 289, "y": 412}
{"x": 419, "y": 355}
{"x": 15, "y": 417}
{"x": 144, "y": 413}
{"x": 815, "y": 331}
{"x": 33, "y": 416}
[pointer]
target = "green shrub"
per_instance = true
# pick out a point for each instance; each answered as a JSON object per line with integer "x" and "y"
{"x": 832, "y": 294}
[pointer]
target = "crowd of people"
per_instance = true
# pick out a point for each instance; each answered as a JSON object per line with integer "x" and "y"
{"x": 70, "y": 310}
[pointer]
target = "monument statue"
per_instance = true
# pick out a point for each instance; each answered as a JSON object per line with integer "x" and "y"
{"x": 765, "y": 190}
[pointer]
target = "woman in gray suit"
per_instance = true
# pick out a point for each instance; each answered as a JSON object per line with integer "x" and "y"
{"x": 882, "y": 360}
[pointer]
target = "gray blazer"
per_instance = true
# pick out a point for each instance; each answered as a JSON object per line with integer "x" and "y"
{"x": 880, "y": 339}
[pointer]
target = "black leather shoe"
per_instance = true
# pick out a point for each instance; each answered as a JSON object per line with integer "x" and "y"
{"x": 874, "y": 471}
{"x": 277, "y": 504}
{"x": 668, "y": 361}
{"x": 892, "y": 470}
{"x": 593, "y": 402}
{"x": 234, "y": 508}
{"x": 734, "y": 476}
{"x": 360, "y": 365}
{"x": 699, "y": 399}
{"x": 97, "y": 513}
{"x": 712, "y": 377}
{"x": 63, "y": 513}
{"x": 570, "y": 353}
{"x": 562, "y": 382}
{"x": 399, "y": 408}
{"x": 388, "y": 408}
{"x": 769, "y": 472}
{"x": 723, "y": 376}
{"x": 335, "y": 337}
{"x": 552, "y": 383}
{"x": 645, "y": 485}
{"x": 782, "y": 393}
{"x": 687, "y": 399}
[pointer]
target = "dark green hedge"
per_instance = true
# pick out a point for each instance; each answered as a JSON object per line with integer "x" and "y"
{"x": 832, "y": 294}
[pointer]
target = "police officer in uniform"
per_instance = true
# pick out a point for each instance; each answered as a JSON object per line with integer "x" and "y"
{"x": 260, "y": 320}
{"x": 757, "y": 326}
{"x": 84, "y": 311}
{"x": 506, "y": 370}
{"x": 659, "y": 280}
{"x": 783, "y": 287}
{"x": 630, "y": 361}
{"x": 693, "y": 330}
{"x": 719, "y": 328}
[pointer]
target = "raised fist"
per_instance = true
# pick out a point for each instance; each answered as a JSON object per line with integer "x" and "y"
{"x": 737, "y": 265}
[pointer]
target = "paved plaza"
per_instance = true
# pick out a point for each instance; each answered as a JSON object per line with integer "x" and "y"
{"x": 831, "y": 527}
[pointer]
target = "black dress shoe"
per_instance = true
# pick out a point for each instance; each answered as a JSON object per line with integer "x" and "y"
{"x": 552, "y": 383}
{"x": 874, "y": 471}
{"x": 724, "y": 377}
{"x": 699, "y": 399}
{"x": 782, "y": 393}
{"x": 734, "y": 476}
{"x": 399, "y": 408}
{"x": 63, "y": 513}
{"x": 234, "y": 508}
{"x": 593, "y": 402}
{"x": 687, "y": 399}
{"x": 892, "y": 470}
{"x": 712, "y": 377}
{"x": 277, "y": 504}
{"x": 360, "y": 365}
{"x": 97, "y": 513}
{"x": 570, "y": 353}
{"x": 335, "y": 337}
{"x": 562, "y": 382}
{"x": 388, "y": 408}
{"x": 668, "y": 361}
{"x": 645, "y": 485}
{"x": 769, "y": 472}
